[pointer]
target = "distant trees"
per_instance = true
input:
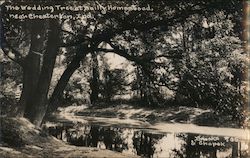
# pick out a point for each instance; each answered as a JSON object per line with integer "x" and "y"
{"x": 207, "y": 75}
{"x": 113, "y": 84}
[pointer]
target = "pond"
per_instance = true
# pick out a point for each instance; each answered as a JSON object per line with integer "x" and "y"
{"x": 150, "y": 143}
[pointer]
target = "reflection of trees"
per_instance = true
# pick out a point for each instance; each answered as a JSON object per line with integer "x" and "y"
{"x": 94, "y": 136}
{"x": 113, "y": 139}
{"x": 144, "y": 143}
{"x": 195, "y": 151}
{"x": 91, "y": 136}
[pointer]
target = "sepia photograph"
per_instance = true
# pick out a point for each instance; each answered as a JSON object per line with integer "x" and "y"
{"x": 124, "y": 79}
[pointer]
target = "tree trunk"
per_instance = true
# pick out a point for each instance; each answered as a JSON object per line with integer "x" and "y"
{"x": 94, "y": 83}
{"x": 64, "y": 79}
{"x": 30, "y": 81}
{"x": 32, "y": 65}
{"x": 36, "y": 110}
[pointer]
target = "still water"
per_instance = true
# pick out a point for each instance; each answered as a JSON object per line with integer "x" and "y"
{"x": 150, "y": 143}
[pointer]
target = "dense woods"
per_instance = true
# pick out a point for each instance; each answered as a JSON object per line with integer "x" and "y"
{"x": 176, "y": 54}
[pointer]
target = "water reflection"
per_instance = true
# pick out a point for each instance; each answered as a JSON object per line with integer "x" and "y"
{"x": 150, "y": 144}
{"x": 209, "y": 146}
{"x": 144, "y": 143}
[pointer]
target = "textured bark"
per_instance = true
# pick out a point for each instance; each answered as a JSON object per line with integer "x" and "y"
{"x": 32, "y": 65}
{"x": 30, "y": 81}
{"x": 36, "y": 110}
